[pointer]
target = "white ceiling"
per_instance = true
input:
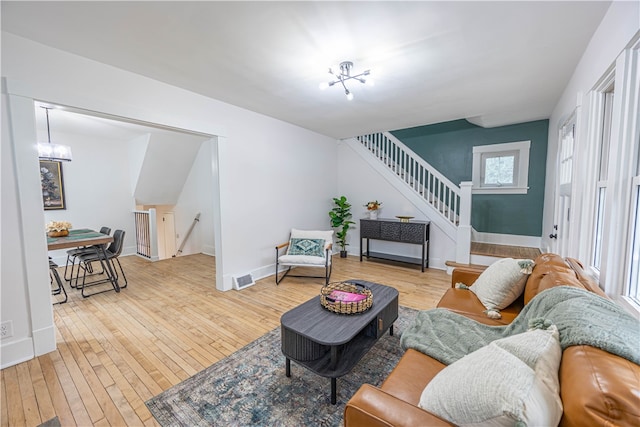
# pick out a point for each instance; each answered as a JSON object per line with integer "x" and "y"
{"x": 493, "y": 63}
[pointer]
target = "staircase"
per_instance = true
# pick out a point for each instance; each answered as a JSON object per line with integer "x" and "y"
{"x": 447, "y": 205}
{"x": 434, "y": 188}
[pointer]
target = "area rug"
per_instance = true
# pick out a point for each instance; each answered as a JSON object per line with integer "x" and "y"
{"x": 249, "y": 388}
{"x": 53, "y": 422}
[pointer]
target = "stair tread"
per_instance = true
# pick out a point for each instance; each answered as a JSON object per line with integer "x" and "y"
{"x": 454, "y": 264}
{"x": 504, "y": 251}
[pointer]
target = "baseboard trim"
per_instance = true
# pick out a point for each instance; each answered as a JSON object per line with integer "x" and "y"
{"x": 16, "y": 352}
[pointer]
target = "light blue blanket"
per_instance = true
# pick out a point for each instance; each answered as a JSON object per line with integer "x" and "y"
{"x": 582, "y": 318}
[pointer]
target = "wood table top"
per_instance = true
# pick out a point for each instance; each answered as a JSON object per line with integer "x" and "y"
{"x": 77, "y": 238}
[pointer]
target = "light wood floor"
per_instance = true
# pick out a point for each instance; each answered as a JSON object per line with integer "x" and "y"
{"x": 115, "y": 351}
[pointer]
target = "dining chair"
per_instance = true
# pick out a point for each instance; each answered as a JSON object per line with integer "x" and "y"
{"x": 72, "y": 255}
{"x": 54, "y": 276}
{"x": 108, "y": 260}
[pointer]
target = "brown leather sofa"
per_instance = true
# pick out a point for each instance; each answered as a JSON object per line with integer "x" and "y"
{"x": 597, "y": 388}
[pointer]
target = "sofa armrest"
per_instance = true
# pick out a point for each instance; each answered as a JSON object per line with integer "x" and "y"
{"x": 466, "y": 275}
{"x": 372, "y": 407}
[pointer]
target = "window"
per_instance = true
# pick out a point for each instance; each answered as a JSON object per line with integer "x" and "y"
{"x": 601, "y": 184}
{"x": 634, "y": 276}
{"x": 501, "y": 168}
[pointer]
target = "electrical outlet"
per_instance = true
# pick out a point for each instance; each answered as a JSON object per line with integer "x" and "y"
{"x": 6, "y": 329}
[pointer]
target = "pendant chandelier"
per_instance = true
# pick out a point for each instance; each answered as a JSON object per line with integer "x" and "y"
{"x": 51, "y": 151}
{"x": 345, "y": 75}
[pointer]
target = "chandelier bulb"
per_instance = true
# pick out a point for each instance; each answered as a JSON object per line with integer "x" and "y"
{"x": 349, "y": 95}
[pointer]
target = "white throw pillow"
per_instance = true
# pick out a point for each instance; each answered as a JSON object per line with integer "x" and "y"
{"x": 511, "y": 380}
{"x": 502, "y": 282}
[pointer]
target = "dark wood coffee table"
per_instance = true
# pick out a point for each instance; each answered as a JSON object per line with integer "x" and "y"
{"x": 331, "y": 344}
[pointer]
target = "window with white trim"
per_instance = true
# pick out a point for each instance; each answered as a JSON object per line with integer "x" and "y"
{"x": 601, "y": 184}
{"x": 633, "y": 291}
{"x": 501, "y": 168}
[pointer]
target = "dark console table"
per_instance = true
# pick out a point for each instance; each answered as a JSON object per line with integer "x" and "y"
{"x": 393, "y": 230}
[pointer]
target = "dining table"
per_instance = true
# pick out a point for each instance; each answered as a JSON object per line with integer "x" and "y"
{"x": 85, "y": 237}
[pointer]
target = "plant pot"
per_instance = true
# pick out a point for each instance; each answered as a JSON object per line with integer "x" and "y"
{"x": 343, "y": 254}
{"x": 60, "y": 233}
{"x": 373, "y": 214}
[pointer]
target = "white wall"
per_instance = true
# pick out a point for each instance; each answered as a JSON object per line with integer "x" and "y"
{"x": 167, "y": 161}
{"x": 197, "y": 196}
{"x": 361, "y": 184}
{"x": 97, "y": 187}
{"x": 14, "y": 301}
{"x": 615, "y": 31}
{"x": 272, "y": 175}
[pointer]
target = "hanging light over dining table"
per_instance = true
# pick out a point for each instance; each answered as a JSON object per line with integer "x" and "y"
{"x": 49, "y": 150}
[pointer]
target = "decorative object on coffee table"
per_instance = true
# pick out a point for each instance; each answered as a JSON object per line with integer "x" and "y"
{"x": 346, "y": 298}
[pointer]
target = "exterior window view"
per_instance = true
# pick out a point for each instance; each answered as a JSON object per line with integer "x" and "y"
{"x": 312, "y": 213}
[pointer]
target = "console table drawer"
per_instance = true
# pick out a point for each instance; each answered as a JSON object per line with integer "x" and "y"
{"x": 370, "y": 229}
{"x": 413, "y": 233}
{"x": 390, "y": 231}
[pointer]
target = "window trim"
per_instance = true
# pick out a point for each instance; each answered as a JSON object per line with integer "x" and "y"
{"x": 521, "y": 169}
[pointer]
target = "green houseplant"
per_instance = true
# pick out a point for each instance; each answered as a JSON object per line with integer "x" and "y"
{"x": 340, "y": 217}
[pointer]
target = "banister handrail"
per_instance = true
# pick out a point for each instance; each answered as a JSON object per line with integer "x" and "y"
{"x": 436, "y": 189}
{"x": 424, "y": 163}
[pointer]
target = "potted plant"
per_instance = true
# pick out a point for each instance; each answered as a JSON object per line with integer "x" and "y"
{"x": 340, "y": 218}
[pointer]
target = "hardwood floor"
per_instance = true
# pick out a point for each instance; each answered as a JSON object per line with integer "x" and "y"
{"x": 115, "y": 351}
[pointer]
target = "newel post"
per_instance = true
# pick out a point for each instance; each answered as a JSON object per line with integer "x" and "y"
{"x": 463, "y": 241}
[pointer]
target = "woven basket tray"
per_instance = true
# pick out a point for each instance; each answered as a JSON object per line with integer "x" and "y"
{"x": 344, "y": 307}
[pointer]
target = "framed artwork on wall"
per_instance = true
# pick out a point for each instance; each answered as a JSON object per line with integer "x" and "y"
{"x": 52, "y": 185}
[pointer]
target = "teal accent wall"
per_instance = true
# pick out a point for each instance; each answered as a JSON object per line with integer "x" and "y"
{"x": 449, "y": 148}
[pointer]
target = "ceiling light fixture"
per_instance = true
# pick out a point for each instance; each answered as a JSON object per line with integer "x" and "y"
{"x": 50, "y": 151}
{"x": 344, "y": 75}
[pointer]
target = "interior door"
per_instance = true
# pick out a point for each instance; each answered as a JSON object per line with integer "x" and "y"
{"x": 561, "y": 225}
{"x": 169, "y": 231}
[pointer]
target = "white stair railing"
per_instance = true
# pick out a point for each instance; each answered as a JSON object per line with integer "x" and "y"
{"x": 146, "y": 234}
{"x": 424, "y": 179}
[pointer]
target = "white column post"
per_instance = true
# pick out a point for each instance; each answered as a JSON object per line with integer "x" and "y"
{"x": 463, "y": 241}
{"x": 153, "y": 234}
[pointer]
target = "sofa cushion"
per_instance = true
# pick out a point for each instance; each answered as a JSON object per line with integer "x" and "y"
{"x": 466, "y": 303}
{"x": 501, "y": 283}
{"x": 410, "y": 376}
{"x": 514, "y": 379}
{"x": 551, "y": 270}
{"x": 608, "y": 388}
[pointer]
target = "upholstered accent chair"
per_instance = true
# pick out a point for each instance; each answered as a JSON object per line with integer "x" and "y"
{"x": 305, "y": 248}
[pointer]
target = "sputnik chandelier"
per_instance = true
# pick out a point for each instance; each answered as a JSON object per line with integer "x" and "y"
{"x": 345, "y": 75}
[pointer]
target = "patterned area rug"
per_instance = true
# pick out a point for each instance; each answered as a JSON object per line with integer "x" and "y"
{"x": 249, "y": 388}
